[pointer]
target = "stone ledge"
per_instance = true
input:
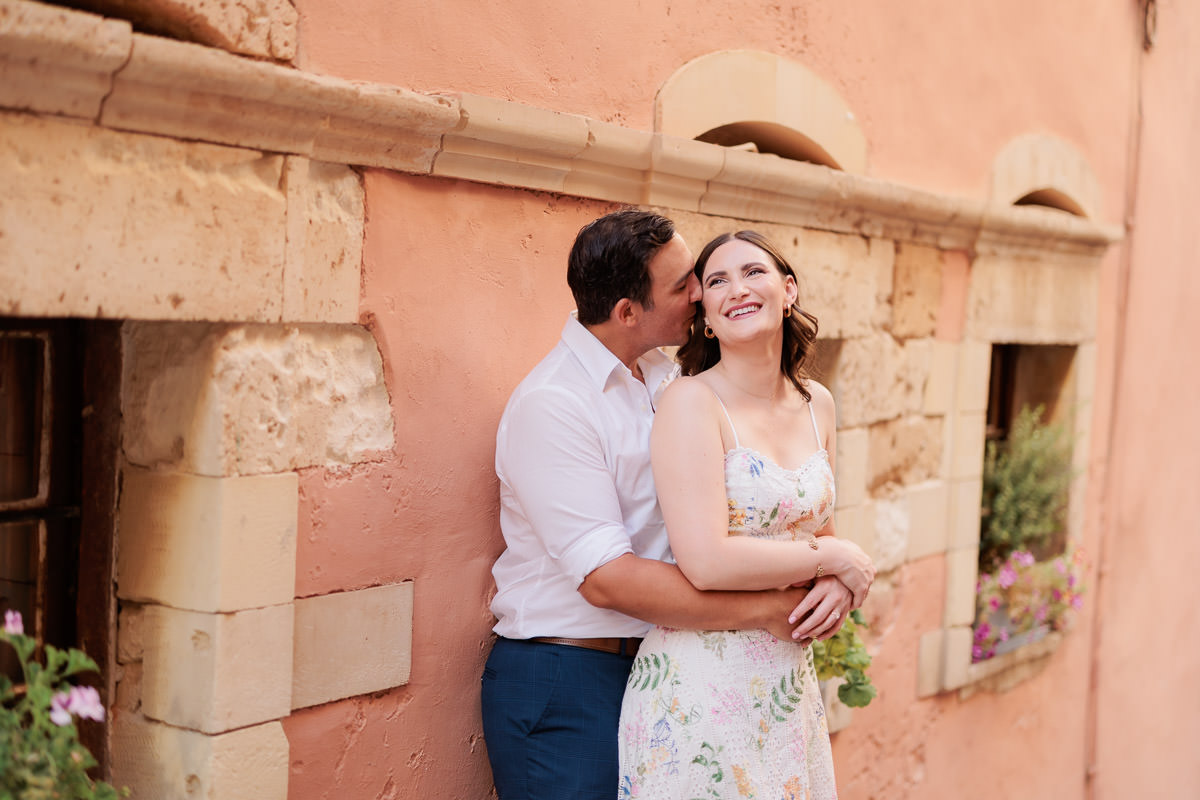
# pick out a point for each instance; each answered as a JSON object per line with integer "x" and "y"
{"x": 193, "y": 92}
{"x": 57, "y": 61}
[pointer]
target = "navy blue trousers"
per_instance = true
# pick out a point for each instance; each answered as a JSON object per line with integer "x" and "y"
{"x": 550, "y": 715}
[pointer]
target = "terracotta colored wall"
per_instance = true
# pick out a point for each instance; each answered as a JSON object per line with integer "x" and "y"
{"x": 464, "y": 291}
{"x": 1147, "y": 702}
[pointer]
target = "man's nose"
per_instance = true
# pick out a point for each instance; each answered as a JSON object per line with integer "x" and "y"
{"x": 694, "y": 289}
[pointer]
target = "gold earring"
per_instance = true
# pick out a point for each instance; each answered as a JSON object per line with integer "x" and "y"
{"x": 708, "y": 332}
{"x": 787, "y": 311}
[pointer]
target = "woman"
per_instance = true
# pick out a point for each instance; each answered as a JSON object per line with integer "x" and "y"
{"x": 743, "y": 461}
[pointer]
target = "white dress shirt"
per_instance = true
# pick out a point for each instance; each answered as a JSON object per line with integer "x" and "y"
{"x": 576, "y": 490}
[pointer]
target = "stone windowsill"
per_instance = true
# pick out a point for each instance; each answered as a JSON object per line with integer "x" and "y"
{"x": 1003, "y": 672}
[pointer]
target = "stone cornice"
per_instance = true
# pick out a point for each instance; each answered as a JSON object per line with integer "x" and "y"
{"x": 76, "y": 64}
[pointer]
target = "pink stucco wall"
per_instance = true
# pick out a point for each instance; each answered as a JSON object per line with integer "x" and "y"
{"x": 1147, "y": 704}
{"x": 464, "y": 291}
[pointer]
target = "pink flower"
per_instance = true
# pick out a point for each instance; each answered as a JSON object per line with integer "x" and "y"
{"x": 994, "y": 603}
{"x": 1077, "y": 602}
{"x": 1040, "y": 614}
{"x": 977, "y": 653}
{"x": 84, "y": 702}
{"x": 1071, "y": 581}
{"x": 59, "y": 714}
{"x": 982, "y": 631}
{"x": 1056, "y": 594}
{"x": 13, "y": 624}
{"x": 1023, "y": 557}
{"x": 1007, "y": 576}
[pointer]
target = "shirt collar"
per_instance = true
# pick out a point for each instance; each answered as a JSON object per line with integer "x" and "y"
{"x": 600, "y": 363}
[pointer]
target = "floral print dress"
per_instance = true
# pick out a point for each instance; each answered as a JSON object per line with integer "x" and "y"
{"x": 734, "y": 714}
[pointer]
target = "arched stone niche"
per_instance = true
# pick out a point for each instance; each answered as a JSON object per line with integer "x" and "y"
{"x": 1037, "y": 169}
{"x": 755, "y": 96}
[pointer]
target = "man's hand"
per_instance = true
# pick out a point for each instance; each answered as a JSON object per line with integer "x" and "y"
{"x": 776, "y": 606}
{"x": 822, "y": 611}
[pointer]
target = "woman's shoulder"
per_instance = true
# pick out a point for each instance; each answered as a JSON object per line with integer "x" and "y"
{"x": 821, "y": 396}
{"x": 689, "y": 391}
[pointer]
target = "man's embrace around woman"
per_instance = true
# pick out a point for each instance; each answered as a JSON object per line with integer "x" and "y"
{"x": 742, "y": 460}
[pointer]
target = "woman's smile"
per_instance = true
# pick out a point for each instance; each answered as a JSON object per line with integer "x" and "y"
{"x": 742, "y": 310}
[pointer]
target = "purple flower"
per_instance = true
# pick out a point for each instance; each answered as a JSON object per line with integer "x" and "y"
{"x": 1023, "y": 557}
{"x": 1061, "y": 566}
{"x": 13, "y": 624}
{"x": 994, "y": 603}
{"x": 977, "y": 653}
{"x": 982, "y": 631}
{"x": 1007, "y": 576}
{"x": 1056, "y": 594}
{"x": 1071, "y": 581}
{"x": 1077, "y": 602}
{"x": 59, "y": 713}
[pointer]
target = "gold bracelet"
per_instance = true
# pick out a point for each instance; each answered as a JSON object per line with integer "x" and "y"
{"x": 812, "y": 542}
{"x": 820, "y": 570}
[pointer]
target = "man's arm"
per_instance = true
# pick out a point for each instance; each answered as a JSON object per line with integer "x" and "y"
{"x": 659, "y": 593}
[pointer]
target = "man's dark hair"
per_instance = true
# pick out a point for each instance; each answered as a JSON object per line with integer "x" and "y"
{"x": 611, "y": 259}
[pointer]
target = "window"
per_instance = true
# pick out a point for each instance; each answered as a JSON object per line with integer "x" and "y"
{"x": 39, "y": 478}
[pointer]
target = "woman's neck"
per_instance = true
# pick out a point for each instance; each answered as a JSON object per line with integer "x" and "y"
{"x": 756, "y": 374}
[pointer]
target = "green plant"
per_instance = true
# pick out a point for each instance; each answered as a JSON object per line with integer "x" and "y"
{"x": 1023, "y": 594}
{"x": 40, "y": 754}
{"x": 844, "y": 655}
{"x": 1026, "y": 485}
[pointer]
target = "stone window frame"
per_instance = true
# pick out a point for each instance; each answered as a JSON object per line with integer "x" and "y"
{"x": 1029, "y": 165}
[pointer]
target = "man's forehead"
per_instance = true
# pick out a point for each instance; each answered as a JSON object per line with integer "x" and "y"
{"x": 673, "y": 262}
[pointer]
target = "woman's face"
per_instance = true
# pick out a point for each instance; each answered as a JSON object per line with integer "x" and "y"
{"x": 744, "y": 292}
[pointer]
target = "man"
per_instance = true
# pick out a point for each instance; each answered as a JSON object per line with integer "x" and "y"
{"x": 584, "y": 574}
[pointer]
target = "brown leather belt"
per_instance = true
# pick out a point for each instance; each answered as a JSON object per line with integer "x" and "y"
{"x": 619, "y": 646}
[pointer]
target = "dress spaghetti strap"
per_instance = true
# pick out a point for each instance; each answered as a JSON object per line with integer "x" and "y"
{"x": 729, "y": 419}
{"x": 813, "y": 416}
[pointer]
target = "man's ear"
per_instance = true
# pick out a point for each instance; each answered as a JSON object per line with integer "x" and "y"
{"x": 626, "y": 313}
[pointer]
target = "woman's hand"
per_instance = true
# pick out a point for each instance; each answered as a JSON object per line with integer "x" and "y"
{"x": 822, "y": 611}
{"x": 851, "y": 565}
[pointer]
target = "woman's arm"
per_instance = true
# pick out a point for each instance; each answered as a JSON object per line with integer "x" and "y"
{"x": 688, "y": 458}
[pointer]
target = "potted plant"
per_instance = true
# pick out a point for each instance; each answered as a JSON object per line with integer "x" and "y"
{"x": 1024, "y": 599}
{"x": 844, "y": 656}
{"x": 1026, "y": 487}
{"x": 40, "y": 753}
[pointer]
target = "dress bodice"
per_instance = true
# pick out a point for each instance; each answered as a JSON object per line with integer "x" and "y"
{"x": 770, "y": 501}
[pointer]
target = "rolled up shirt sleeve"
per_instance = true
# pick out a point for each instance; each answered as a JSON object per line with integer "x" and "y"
{"x": 555, "y": 467}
